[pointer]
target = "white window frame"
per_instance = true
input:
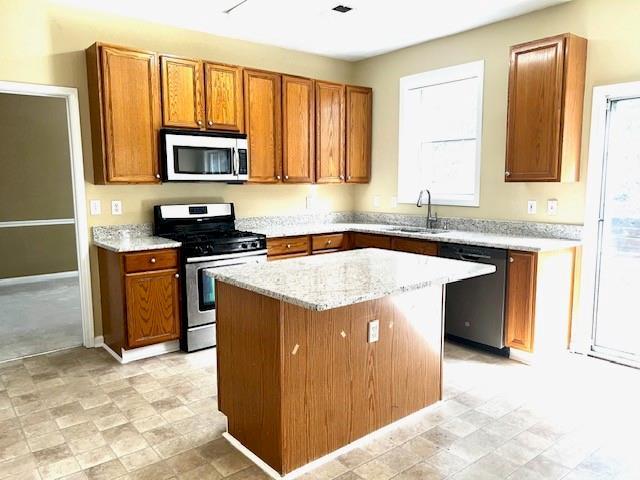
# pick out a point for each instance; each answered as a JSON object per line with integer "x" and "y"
{"x": 407, "y": 189}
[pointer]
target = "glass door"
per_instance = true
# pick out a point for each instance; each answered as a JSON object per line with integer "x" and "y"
{"x": 616, "y": 329}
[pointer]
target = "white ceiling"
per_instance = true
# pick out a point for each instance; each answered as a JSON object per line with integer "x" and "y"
{"x": 371, "y": 28}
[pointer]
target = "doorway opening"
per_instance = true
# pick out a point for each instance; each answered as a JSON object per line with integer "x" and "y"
{"x": 45, "y": 297}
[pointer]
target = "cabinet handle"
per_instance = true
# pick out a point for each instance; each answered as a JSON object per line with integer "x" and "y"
{"x": 349, "y": 177}
{"x": 288, "y": 245}
{"x": 278, "y": 177}
{"x": 210, "y": 123}
{"x": 157, "y": 175}
{"x": 286, "y": 177}
{"x": 177, "y": 275}
{"x": 341, "y": 177}
{"x": 199, "y": 122}
{"x": 507, "y": 174}
{"x": 328, "y": 242}
{"x": 153, "y": 260}
{"x": 510, "y": 259}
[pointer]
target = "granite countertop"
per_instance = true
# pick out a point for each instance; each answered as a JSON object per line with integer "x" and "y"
{"x": 524, "y": 243}
{"x": 323, "y": 282}
{"x": 135, "y": 243}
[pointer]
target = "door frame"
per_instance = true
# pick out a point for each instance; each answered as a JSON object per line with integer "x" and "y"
{"x": 582, "y": 330}
{"x": 70, "y": 95}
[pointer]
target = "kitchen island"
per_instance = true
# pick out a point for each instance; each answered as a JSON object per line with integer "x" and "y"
{"x": 315, "y": 353}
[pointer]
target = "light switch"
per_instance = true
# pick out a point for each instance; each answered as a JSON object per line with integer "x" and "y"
{"x": 532, "y": 207}
{"x": 116, "y": 207}
{"x": 95, "y": 207}
{"x": 373, "y": 333}
{"x": 552, "y": 207}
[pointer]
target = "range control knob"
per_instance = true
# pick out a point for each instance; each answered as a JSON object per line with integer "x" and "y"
{"x": 244, "y": 245}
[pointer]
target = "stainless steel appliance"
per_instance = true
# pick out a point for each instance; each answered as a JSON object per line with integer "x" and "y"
{"x": 474, "y": 308}
{"x": 204, "y": 156}
{"x": 209, "y": 240}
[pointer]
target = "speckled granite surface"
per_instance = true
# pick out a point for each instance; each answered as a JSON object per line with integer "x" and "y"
{"x": 523, "y": 243}
{"x": 130, "y": 238}
{"x": 323, "y": 282}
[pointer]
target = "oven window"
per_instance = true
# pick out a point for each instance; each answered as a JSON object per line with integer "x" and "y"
{"x": 203, "y": 160}
{"x": 206, "y": 291}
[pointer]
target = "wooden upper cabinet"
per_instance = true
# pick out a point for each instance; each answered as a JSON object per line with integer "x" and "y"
{"x": 182, "y": 92}
{"x": 521, "y": 300}
{"x": 298, "y": 130}
{"x": 263, "y": 122}
{"x": 544, "y": 120}
{"x": 124, "y": 101}
{"x": 153, "y": 307}
{"x": 224, "y": 94}
{"x": 358, "y": 131}
{"x": 330, "y": 132}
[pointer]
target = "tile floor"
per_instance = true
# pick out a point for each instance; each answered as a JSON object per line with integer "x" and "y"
{"x": 78, "y": 414}
{"x": 39, "y": 317}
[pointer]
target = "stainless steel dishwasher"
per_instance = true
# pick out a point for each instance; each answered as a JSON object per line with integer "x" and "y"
{"x": 474, "y": 308}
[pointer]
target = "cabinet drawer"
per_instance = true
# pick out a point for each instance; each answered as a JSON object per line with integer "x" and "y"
{"x": 152, "y": 260}
{"x": 287, "y": 245}
{"x": 334, "y": 241}
{"x": 423, "y": 247}
{"x": 366, "y": 240}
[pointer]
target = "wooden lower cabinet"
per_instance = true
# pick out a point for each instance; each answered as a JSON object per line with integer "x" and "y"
{"x": 368, "y": 240}
{"x": 140, "y": 298}
{"x": 411, "y": 245}
{"x": 539, "y": 300}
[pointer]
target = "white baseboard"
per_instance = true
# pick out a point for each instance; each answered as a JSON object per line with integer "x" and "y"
{"x": 127, "y": 356}
{"x": 298, "y": 472}
{"x": 37, "y": 278}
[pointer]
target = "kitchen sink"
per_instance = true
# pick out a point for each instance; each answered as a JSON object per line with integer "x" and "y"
{"x": 433, "y": 231}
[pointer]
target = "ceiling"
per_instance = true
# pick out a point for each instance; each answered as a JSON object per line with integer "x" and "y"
{"x": 371, "y": 28}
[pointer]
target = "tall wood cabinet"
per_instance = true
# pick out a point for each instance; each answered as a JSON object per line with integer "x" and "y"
{"x": 140, "y": 298}
{"x": 298, "y": 130}
{"x": 544, "y": 120}
{"x": 330, "y": 132}
{"x": 124, "y": 103}
{"x": 263, "y": 117}
{"x": 358, "y": 134}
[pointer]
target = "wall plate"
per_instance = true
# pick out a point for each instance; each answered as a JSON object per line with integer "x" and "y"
{"x": 116, "y": 207}
{"x": 532, "y": 207}
{"x": 373, "y": 331}
{"x": 95, "y": 207}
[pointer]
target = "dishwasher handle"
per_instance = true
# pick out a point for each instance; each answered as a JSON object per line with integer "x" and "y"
{"x": 473, "y": 256}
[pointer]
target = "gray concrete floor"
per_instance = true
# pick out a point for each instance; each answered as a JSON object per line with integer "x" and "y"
{"x": 39, "y": 317}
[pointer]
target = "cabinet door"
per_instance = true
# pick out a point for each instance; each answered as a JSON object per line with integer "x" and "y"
{"x": 423, "y": 247}
{"x": 263, "y": 122}
{"x": 153, "y": 307}
{"x": 330, "y": 135}
{"x": 366, "y": 240}
{"x": 520, "y": 302}
{"x": 298, "y": 122}
{"x": 535, "y": 110}
{"x": 358, "y": 140}
{"x": 182, "y": 96}
{"x": 224, "y": 94}
{"x": 130, "y": 116}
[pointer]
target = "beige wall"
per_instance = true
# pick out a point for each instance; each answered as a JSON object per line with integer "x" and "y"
{"x": 35, "y": 184}
{"x": 611, "y": 26}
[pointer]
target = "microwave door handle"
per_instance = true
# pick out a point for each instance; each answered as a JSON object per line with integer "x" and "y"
{"x": 236, "y": 162}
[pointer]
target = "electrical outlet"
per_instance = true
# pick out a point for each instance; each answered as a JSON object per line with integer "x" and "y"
{"x": 373, "y": 331}
{"x": 552, "y": 207}
{"x": 116, "y": 207}
{"x": 532, "y": 207}
{"x": 376, "y": 201}
{"x": 394, "y": 201}
{"x": 311, "y": 202}
{"x": 95, "y": 207}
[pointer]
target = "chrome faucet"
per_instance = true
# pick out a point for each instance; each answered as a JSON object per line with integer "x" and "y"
{"x": 430, "y": 219}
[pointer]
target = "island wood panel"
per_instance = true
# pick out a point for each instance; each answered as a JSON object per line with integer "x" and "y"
{"x": 182, "y": 92}
{"x": 423, "y": 247}
{"x": 124, "y": 102}
{"x": 330, "y": 132}
{"x": 263, "y": 121}
{"x": 298, "y": 130}
{"x": 249, "y": 374}
{"x": 153, "y": 307}
{"x": 358, "y": 134}
{"x": 225, "y": 97}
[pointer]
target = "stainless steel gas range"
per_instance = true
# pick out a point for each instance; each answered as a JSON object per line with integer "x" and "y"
{"x": 209, "y": 240}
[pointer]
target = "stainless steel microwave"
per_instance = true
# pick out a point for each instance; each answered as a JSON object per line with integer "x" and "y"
{"x": 204, "y": 156}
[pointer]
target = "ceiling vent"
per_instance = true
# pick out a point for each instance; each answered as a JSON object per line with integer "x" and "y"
{"x": 342, "y": 9}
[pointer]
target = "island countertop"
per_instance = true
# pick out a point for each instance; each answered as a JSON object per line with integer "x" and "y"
{"x": 323, "y": 282}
